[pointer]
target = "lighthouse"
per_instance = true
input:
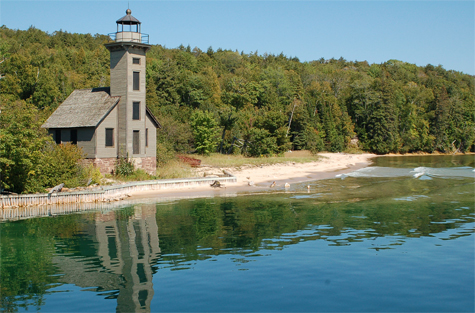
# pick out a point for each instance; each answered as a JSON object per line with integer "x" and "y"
{"x": 136, "y": 134}
{"x": 109, "y": 123}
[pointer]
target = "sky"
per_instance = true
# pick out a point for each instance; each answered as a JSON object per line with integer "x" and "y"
{"x": 419, "y": 32}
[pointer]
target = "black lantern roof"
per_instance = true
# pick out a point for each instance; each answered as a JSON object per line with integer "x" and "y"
{"x": 128, "y": 19}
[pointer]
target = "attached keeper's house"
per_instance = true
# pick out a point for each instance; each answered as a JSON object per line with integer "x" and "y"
{"x": 108, "y": 123}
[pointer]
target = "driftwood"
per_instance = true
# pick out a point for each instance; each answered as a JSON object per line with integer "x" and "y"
{"x": 228, "y": 174}
{"x": 191, "y": 161}
{"x": 56, "y": 189}
{"x": 216, "y": 184}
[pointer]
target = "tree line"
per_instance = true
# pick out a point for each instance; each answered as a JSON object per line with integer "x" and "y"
{"x": 242, "y": 103}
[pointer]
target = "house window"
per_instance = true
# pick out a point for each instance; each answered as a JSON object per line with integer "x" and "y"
{"x": 136, "y": 61}
{"x": 146, "y": 137}
{"x": 136, "y": 111}
{"x": 109, "y": 137}
{"x": 57, "y": 136}
{"x": 74, "y": 136}
{"x": 136, "y": 78}
{"x": 136, "y": 142}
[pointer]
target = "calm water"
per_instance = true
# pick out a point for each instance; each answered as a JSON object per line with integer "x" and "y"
{"x": 397, "y": 236}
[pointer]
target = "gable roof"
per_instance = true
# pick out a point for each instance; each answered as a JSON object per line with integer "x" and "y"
{"x": 153, "y": 118}
{"x": 83, "y": 108}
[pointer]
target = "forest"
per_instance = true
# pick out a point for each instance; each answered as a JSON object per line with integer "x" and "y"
{"x": 228, "y": 102}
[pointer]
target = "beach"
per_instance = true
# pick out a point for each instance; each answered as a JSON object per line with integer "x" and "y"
{"x": 260, "y": 178}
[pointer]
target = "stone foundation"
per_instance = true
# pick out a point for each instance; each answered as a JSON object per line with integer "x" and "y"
{"x": 148, "y": 164}
{"x": 107, "y": 165}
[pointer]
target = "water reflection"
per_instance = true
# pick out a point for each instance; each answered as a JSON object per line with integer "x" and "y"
{"x": 115, "y": 255}
{"x": 126, "y": 250}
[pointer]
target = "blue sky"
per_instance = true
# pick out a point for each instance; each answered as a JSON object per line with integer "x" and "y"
{"x": 420, "y": 32}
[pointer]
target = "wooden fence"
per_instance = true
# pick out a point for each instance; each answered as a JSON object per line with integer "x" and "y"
{"x": 14, "y": 206}
{"x": 20, "y": 213}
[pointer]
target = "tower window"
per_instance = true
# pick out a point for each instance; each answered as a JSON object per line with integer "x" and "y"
{"x": 136, "y": 61}
{"x": 136, "y": 142}
{"x": 146, "y": 137}
{"x": 109, "y": 137}
{"x": 136, "y": 110}
{"x": 136, "y": 78}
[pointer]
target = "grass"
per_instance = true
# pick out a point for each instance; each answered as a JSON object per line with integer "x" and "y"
{"x": 169, "y": 170}
{"x": 220, "y": 160}
{"x": 174, "y": 169}
{"x": 177, "y": 169}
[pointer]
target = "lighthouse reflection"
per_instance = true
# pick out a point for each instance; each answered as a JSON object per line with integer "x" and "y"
{"x": 116, "y": 257}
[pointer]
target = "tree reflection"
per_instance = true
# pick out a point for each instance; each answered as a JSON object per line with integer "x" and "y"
{"x": 117, "y": 253}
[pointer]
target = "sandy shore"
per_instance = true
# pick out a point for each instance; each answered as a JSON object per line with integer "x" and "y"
{"x": 260, "y": 178}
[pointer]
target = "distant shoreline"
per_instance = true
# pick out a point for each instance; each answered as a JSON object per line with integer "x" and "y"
{"x": 263, "y": 176}
{"x": 259, "y": 178}
{"x": 427, "y": 154}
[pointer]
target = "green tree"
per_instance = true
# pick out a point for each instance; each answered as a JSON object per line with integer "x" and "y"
{"x": 29, "y": 160}
{"x": 261, "y": 143}
{"x": 22, "y": 143}
{"x": 205, "y": 131}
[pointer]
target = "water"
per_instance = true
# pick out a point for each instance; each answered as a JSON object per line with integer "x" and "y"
{"x": 397, "y": 236}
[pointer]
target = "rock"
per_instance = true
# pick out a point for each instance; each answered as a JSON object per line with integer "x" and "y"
{"x": 216, "y": 184}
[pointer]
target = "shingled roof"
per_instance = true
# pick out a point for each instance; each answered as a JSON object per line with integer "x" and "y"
{"x": 83, "y": 108}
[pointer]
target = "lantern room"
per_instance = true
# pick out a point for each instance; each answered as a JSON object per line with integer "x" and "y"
{"x": 129, "y": 30}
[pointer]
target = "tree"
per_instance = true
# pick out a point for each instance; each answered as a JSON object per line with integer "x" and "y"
{"x": 382, "y": 129}
{"x": 29, "y": 160}
{"x": 393, "y": 106}
{"x": 22, "y": 142}
{"x": 205, "y": 130}
{"x": 261, "y": 143}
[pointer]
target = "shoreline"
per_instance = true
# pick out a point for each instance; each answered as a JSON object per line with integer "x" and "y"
{"x": 259, "y": 178}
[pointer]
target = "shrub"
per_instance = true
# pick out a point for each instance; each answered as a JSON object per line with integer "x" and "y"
{"x": 124, "y": 167}
{"x": 165, "y": 153}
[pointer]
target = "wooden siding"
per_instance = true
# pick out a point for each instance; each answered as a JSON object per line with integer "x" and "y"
{"x": 118, "y": 61}
{"x": 109, "y": 122}
{"x": 122, "y": 69}
{"x": 136, "y": 96}
{"x": 87, "y": 141}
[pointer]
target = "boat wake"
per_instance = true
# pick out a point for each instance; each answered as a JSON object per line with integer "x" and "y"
{"x": 421, "y": 173}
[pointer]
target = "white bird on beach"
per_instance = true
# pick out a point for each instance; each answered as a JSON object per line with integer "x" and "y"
{"x": 287, "y": 185}
{"x": 250, "y": 183}
{"x": 416, "y": 175}
{"x": 342, "y": 176}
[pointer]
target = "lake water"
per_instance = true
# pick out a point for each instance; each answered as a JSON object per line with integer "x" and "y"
{"x": 396, "y": 236}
